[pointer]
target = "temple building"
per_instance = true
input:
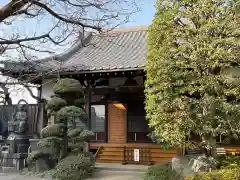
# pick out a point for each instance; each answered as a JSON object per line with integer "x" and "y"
{"x": 111, "y": 69}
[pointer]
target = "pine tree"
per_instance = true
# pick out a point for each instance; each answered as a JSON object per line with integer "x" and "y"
{"x": 193, "y": 71}
{"x": 62, "y": 140}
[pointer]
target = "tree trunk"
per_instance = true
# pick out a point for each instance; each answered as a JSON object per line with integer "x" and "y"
{"x": 210, "y": 147}
{"x": 10, "y": 8}
{"x": 65, "y": 142}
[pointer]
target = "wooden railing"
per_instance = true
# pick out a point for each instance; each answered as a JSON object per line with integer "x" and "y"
{"x": 98, "y": 150}
{"x": 144, "y": 156}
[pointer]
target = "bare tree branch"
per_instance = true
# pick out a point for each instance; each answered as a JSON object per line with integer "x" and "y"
{"x": 71, "y": 21}
{"x": 31, "y": 93}
{"x": 69, "y": 18}
{"x": 18, "y": 41}
{"x": 9, "y": 9}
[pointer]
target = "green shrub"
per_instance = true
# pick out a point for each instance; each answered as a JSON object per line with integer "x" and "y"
{"x": 161, "y": 172}
{"x": 70, "y": 112}
{"x": 53, "y": 130}
{"x": 49, "y": 142}
{"x": 74, "y": 168}
{"x": 223, "y": 174}
{"x": 67, "y": 85}
{"x": 228, "y": 160}
{"x": 33, "y": 156}
{"x": 79, "y": 102}
{"x": 55, "y": 103}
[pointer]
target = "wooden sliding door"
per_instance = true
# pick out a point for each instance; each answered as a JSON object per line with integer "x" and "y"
{"x": 117, "y": 127}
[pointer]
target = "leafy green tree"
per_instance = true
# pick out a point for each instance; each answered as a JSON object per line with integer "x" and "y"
{"x": 63, "y": 141}
{"x": 193, "y": 71}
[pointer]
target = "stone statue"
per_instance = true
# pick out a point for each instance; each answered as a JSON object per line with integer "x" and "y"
{"x": 19, "y": 123}
{"x": 17, "y": 130}
{"x": 17, "y": 142}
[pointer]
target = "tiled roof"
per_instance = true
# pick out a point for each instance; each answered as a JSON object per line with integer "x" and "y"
{"x": 116, "y": 50}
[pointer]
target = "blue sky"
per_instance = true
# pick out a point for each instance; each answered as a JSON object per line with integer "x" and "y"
{"x": 144, "y": 17}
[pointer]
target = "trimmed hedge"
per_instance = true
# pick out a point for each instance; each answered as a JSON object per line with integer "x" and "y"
{"x": 56, "y": 103}
{"x": 74, "y": 167}
{"x": 223, "y": 174}
{"x": 55, "y": 130}
{"x": 67, "y": 85}
{"x": 162, "y": 172}
{"x": 228, "y": 160}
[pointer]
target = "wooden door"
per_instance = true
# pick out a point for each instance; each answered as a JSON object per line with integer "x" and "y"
{"x": 117, "y": 127}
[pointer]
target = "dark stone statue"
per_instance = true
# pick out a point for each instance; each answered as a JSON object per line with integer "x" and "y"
{"x": 19, "y": 123}
{"x": 17, "y": 142}
{"x": 17, "y": 138}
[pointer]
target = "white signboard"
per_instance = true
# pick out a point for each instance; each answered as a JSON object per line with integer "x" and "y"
{"x": 136, "y": 155}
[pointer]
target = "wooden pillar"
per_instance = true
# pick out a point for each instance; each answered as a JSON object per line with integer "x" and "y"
{"x": 39, "y": 111}
{"x": 89, "y": 98}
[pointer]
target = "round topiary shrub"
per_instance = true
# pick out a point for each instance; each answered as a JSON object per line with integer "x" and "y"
{"x": 52, "y": 130}
{"x": 79, "y": 102}
{"x": 70, "y": 111}
{"x": 74, "y": 168}
{"x": 55, "y": 103}
{"x": 162, "y": 172}
{"x": 39, "y": 161}
{"x": 67, "y": 85}
{"x": 49, "y": 142}
{"x": 85, "y": 135}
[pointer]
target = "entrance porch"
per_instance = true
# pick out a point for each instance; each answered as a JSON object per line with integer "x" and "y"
{"x": 120, "y": 127}
{"x": 118, "y": 115}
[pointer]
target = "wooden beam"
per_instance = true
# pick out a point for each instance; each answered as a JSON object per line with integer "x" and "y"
{"x": 89, "y": 99}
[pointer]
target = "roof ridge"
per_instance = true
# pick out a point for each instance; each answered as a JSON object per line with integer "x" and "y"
{"x": 127, "y": 29}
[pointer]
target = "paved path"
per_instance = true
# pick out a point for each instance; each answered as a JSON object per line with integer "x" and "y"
{"x": 110, "y": 175}
{"x": 104, "y": 171}
{"x": 112, "y": 171}
{"x": 98, "y": 176}
{"x": 11, "y": 176}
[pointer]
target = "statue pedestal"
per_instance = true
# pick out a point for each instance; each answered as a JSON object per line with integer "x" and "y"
{"x": 20, "y": 160}
{"x": 18, "y": 143}
{"x": 14, "y": 152}
{"x": 7, "y": 160}
{"x": 13, "y": 162}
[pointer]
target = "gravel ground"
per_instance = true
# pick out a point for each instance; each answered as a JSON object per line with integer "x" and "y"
{"x": 12, "y": 176}
{"x": 103, "y": 172}
{"x": 110, "y": 175}
{"x": 101, "y": 175}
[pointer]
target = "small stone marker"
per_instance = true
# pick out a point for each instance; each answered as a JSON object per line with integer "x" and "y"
{"x": 176, "y": 164}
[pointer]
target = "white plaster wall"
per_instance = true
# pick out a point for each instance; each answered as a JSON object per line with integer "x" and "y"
{"x": 47, "y": 88}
